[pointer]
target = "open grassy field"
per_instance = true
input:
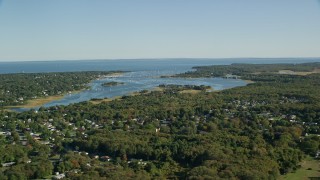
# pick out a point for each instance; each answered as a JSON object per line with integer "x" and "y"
{"x": 299, "y": 73}
{"x": 98, "y": 101}
{"x": 190, "y": 91}
{"x": 41, "y": 101}
{"x": 38, "y": 102}
{"x": 310, "y": 169}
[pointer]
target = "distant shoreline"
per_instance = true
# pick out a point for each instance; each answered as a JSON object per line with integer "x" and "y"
{"x": 160, "y": 59}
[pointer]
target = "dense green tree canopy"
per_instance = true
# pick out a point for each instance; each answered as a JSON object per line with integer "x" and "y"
{"x": 258, "y": 131}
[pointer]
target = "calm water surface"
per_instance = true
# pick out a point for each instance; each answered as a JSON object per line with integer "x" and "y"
{"x": 144, "y": 74}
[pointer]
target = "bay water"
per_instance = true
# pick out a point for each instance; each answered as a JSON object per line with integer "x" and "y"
{"x": 143, "y": 74}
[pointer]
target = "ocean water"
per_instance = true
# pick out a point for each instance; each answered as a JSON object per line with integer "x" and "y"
{"x": 133, "y": 64}
{"x": 143, "y": 74}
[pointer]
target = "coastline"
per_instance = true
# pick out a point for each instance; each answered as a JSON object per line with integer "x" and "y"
{"x": 111, "y": 75}
{"x": 248, "y": 81}
{"x": 37, "y": 102}
{"x": 41, "y": 101}
{"x": 32, "y": 103}
{"x": 119, "y": 97}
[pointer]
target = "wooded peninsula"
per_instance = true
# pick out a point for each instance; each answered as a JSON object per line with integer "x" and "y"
{"x": 18, "y": 89}
{"x": 260, "y": 131}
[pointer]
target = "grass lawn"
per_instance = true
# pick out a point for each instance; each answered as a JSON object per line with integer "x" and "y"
{"x": 310, "y": 169}
{"x": 190, "y": 91}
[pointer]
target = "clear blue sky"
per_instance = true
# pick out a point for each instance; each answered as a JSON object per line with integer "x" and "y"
{"x": 112, "y": 29}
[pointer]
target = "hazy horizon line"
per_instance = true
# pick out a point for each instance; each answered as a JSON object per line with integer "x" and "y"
{"x": 168, "y": 58}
